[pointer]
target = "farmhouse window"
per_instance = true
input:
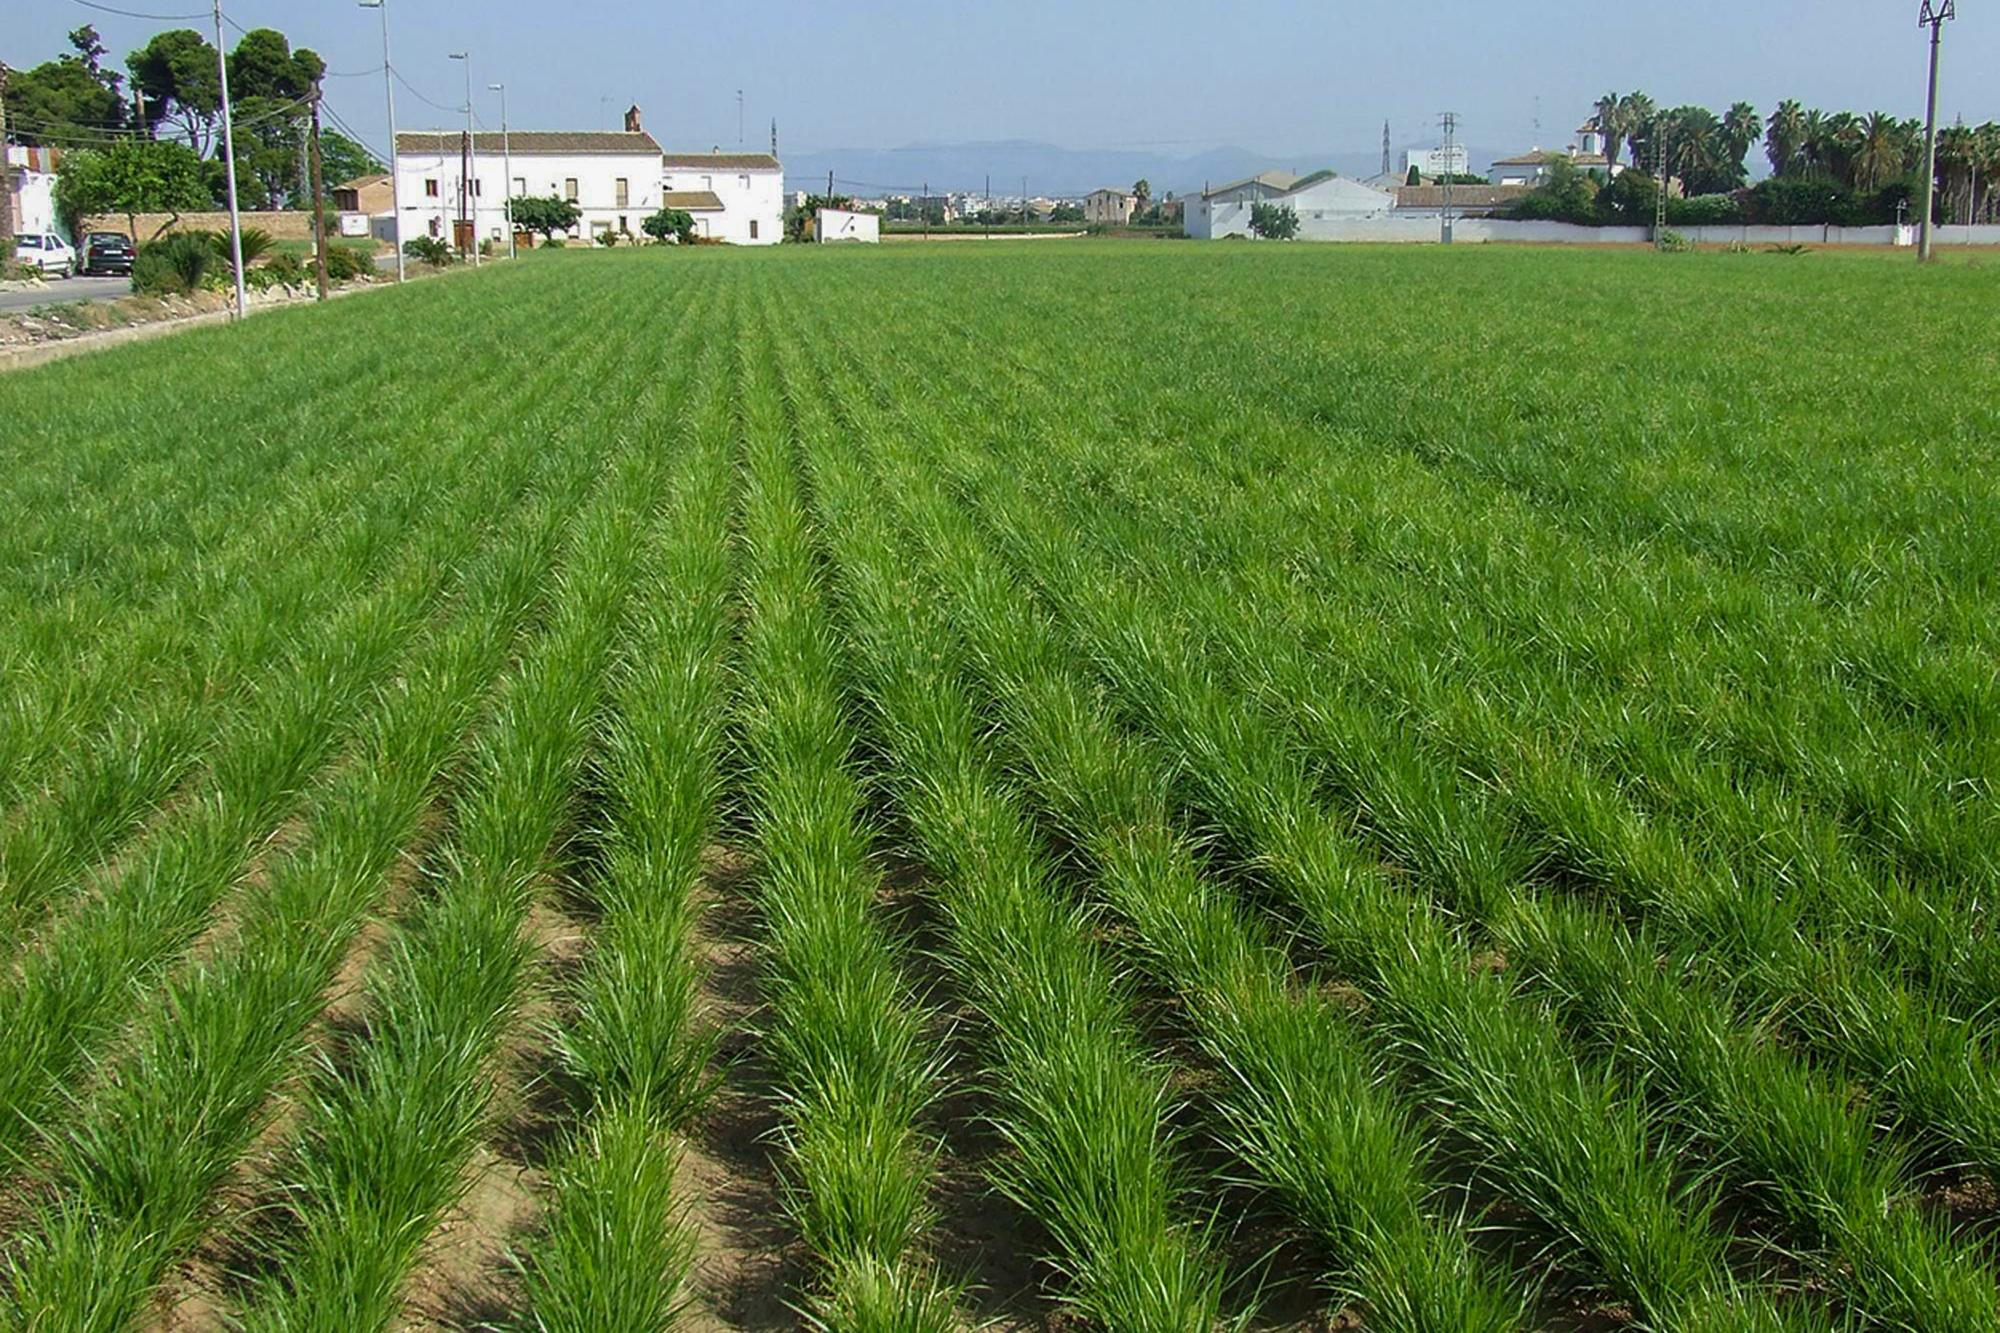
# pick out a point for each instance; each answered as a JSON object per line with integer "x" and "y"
{"x": 520, "y": 185}
{"x": 569, "y": 188}
{"x": 753, "y": 229}
{"x": 431, "y": 189}
{"x": 624, "y": 192}
{"x": 742, "y": 182}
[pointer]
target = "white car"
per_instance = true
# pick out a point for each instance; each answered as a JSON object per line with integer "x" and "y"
{"x": 46, "y": 251}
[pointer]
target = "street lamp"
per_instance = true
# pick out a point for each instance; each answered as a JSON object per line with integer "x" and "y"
{"x": 1934, "y": 15}
{"x": 468, "y": 180}
{"x": 395, "y": 173}
{"x": 507, "y": 164}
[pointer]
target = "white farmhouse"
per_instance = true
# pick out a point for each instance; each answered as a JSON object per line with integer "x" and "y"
{"x": 612, "y": 176}
{"x": 28, "y": 175}
{"x": 733, "y": 197}
{"x": 1320, "y": 198}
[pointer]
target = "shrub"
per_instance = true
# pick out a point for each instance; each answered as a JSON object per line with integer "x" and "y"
{"x": 345, "y": 263}
{"x": 553, "y": 243}
{"x": 1274, "y": 222}
{"x": 430, "y": 250}
{"x": 1672, "y": 242}
{"x": 284, "y": 266}
{"x": 675, "y": 222}
{"x": 1705, "y": 210}
{"x": 256, "y": 244}
{"x": 177, "y": 263}
{"x": 606, "y": 238}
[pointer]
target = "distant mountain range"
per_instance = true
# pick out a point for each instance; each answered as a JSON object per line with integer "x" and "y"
{"x": 1050, "y": 170}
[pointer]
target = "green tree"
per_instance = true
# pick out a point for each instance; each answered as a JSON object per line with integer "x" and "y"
{"x": 1416, "y": 176}
{"x": 1881, "y": 156}
{"x": 69, "y": 100}
{"x": 1613, "y": 119}
{"x": 1741, "y": 127}
{"x": 270, "y": 85}
{"x": 342, "y": 159}
{"x": 1142, "y": 190}
{"x": 1566, "y": 194}
{"x": 1274, "y": 222}
{"x": 675, "y": 222}
{"x": 1785, "y": 138}
{"x": 131, "y": 176}
{"x": 175, "y": 75}
{"x": 1628, "y": 201}
{"x": 546, "y": 214}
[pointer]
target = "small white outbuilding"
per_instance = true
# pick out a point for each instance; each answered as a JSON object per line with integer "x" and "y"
{"x": 839, "y": 224}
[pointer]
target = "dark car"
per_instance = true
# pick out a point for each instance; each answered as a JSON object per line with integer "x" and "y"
{"x": 107, "y": 252}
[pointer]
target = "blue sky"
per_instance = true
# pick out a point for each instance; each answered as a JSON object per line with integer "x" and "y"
{"x": 1177, "y": 76}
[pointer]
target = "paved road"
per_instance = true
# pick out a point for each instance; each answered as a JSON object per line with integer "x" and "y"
{"x": 59, "y": 290}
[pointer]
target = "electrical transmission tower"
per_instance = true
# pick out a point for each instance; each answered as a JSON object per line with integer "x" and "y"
{"x": 1450, "y": 119}
{"x": 1660, "y": 195}
{"x": 1387, "y": 165}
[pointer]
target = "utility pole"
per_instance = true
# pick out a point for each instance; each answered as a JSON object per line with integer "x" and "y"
{"x": 925, "y": 205}
{"x": 1024, "y": 203}
{"x": 774, "y": 136}
{"x": 506, "y": 164}
{"x": 1935, "y": 14}
{"x": 1666, "y": 176}
{"x": 395, "y": 171}
{"x": 229, "y": 167}
{"x": 6, "y": 178}
{"x": 319, "y": 201}
{"x": 1388, "y": 164}
{"x": 468, "y": 184}
{"x": 739, "y": 120}
{"x": 829, "y": 187}
{"x": 989, "y": 206}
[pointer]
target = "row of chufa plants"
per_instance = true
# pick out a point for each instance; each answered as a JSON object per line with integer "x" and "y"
{"x": 188, "y": 261}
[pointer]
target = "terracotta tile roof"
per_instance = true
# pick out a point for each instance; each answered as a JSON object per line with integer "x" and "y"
{"x": 719, "y": 161}
{"x": 527, "y": 143}
{"x": 1462, "y": 196}
{"x": 693, "y": 201}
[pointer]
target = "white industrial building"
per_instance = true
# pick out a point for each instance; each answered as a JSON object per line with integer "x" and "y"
{"x": 616, "y": 178}
{"x": 733, "y": 197}
{"x": 1321, "y": 198}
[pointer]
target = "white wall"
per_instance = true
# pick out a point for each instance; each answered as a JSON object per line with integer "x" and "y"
{"x": 35, "y": 205}
{"x": 1476, "y": 231}
{"x": 748, "y": 197}
{"x": 596, "y": 174}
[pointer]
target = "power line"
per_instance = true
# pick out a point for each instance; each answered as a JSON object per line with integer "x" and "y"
{"x": 134, "y": 14}
{"x": 415, "y": 92}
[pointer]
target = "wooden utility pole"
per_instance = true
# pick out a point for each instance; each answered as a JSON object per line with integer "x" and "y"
{"x": 6, "y": 180}
{"x": 319, "y": 202}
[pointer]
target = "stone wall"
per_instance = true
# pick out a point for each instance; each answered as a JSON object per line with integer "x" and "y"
{"x": 284, "y": 226}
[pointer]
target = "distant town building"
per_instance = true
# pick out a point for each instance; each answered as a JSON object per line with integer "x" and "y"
{"x": 1109, "y": 208}
{"x": 837, "y": 225}
{"x": 365, "y": 194}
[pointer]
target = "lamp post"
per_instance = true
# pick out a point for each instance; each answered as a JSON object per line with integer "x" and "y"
{"x": 507, "y": 164}
{"x": 1934, "y": 15}
{"x": 395, "y": 173}
{"x": 229, "y": 165}
{"x": 468, "y": 180}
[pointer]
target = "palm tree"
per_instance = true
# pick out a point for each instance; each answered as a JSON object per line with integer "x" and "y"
{"x": 1879, "y": 159}
{"x": 1142, "y": 190}
{"x": 1958, "y": 165}
{"x": 1614, "y": 124}
{"x": 1698, "y": 151}
{"x": 1844, "y": 140}
{"x": 1813, "y": 142}
{"x": 1785, "y": 138}
{"x": 1740, "y": 128}
{"x": 1641, "y": 129}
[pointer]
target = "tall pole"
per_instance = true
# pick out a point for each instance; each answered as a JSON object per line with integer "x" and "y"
{"x": 319, "y": 200}
{"x": 507, "y": 164}
{"x": 1935, "y": 12}
{"x": 468, "y": 181}
{"x": 739, "y": 120}
{"x": 6, "y": 178}
{"x": 926, "y": 206}
{"x": 1450, "y": 164}
{"x": 229, "y": 167}
{"x": 395, "y": 168}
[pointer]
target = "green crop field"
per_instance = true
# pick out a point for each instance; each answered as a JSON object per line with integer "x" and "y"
{"x": 1050, "y": 786}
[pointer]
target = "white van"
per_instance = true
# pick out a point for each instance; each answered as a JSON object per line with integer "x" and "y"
{"x": 46, "y": 251}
